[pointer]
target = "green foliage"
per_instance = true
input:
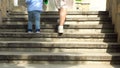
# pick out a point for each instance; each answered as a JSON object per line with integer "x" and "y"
{"x": 78, "y": 0}
{"x": 45, "y": 1}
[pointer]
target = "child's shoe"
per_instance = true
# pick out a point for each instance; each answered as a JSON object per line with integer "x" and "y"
{"x": 37, "y": 31}
{"x": 30, "y": 31}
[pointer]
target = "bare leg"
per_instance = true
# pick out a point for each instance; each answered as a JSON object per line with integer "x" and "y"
{"x": 62, "y": 14}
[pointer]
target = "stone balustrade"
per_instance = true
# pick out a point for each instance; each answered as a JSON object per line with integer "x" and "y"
{"x": 0, "y": 17}
{"x": 113, "y": 6}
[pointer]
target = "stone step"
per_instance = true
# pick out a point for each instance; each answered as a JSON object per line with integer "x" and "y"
{"x": 113, "y": 63}
{"x": 55, "y": 35}
{"x": 50, "y": 23}
{"x": 59, "y": 56}
{"x": 69, "y": 13}
{"x": 54, "y": 18}
{"x": 48, "y": 14}
{"x": 66, "y": 31}
{"x": 48, "y": 65}
{"x": 57, "y": 16}
{"x": 81, "y": 39}
{"x": 64, "y": 45}
{"x": 51, "y": 26}
{"x": 85, "y": 22}
{"x": 70, "y": 47}
{"x": 66, "y": 50}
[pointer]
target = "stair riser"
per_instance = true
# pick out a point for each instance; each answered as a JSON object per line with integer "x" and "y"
{"x": 58, "y": 58}
{"x": 50, "y": 19}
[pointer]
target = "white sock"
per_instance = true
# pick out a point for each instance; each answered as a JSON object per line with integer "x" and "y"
{"x": 60, "y": 29}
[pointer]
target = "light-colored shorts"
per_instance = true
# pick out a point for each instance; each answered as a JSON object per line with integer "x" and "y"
{"x": 60, "y": 4}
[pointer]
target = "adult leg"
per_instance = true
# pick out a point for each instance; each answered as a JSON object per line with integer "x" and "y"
{"x": 37, "y": 20}
{"x": 62, "y": 14}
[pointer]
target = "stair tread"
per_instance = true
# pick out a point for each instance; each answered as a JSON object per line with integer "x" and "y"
{"x": 64, "y": 44}
{"x": 109, "y": 26}
{"x": 68, "y": 18}
{"x": 54, "y": 22}
{"x": 106, "y": 43}
{"x": 59, "y": 54}
{"x": 57, "y": 15}
{"x": 55, "y": 35}
{"x": 69, "y": 12}
{"x": 48, "y": 65}
{"x": 48, "y": 33}
{"x": 61, "y": 39}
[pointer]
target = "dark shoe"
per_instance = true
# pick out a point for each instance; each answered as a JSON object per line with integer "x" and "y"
{"x": 30, "y": 31}
{"x": 37, "y": 31}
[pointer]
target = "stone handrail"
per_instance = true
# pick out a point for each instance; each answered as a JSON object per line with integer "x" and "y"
{"x": 0, "y": 17}
{"x": 113, "y": 6}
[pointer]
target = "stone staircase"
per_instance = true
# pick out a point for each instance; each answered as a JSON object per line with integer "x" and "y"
{"x": 89, "y": 40}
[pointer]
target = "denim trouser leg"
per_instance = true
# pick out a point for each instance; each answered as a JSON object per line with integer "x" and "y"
{"x": 34, "y": 16}
{"x": 30, "y": 20}
{"x": 37, "y": 19}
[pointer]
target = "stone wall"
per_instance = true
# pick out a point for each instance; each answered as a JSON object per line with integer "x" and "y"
{"x": 0, "y": 17}
{"x": 85, "y": 5}
{"x": 4, "y": 7}
{"x": 113, "y": 7}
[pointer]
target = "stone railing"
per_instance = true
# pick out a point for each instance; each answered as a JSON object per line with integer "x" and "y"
{"x": 113, "y": 6}
{"x": 0, "y": 17}
{"x": 5, "y": 6}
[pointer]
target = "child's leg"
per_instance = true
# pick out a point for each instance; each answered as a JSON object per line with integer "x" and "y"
{"x": 30, "y": 20}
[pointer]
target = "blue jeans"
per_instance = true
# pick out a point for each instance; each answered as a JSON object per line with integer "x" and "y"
{"x": 34, "y": 17}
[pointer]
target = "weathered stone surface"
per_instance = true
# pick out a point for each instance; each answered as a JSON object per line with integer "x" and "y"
{"x": 0, "y": 17}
